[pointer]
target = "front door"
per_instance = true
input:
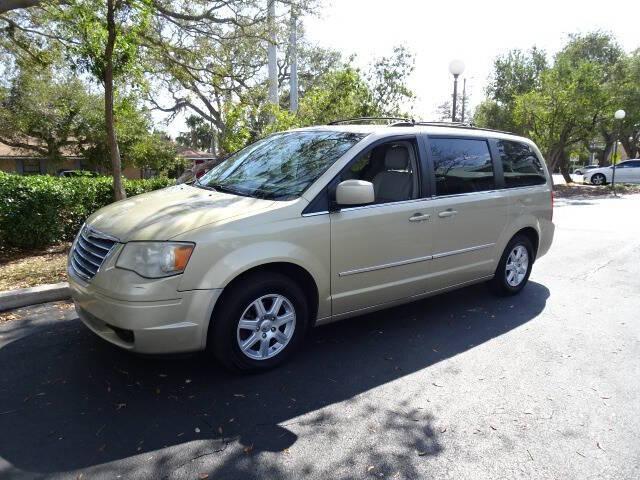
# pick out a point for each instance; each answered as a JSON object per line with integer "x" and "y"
{"x": 628, "y": 172}
{"x": 381, "y": 252}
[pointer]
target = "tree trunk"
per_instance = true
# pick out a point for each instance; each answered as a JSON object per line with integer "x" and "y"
{"x": 112, "y": 141}
{"x": 631, "y": 148}
{"x": 564, "y": 168}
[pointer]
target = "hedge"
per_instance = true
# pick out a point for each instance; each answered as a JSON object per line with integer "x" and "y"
{"x": 40, "y": 210}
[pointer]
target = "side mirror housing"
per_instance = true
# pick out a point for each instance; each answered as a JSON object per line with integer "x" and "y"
{"x": 354, "y": 192}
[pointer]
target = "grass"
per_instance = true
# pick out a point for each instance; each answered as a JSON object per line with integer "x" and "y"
{"x": 38, "y": 267}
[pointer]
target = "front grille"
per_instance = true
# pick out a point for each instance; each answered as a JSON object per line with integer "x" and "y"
{"x": 89, "y": 251}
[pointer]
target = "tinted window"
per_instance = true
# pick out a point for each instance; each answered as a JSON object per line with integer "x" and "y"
{"x": 461, "y": 165}
{"x": 281, "y": 166}
{"x": 521, "y": 166}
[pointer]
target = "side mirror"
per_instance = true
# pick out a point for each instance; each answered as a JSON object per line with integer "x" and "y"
{"x": 354, "y": 192}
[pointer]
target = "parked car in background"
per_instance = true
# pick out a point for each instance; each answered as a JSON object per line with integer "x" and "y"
{"x": 310, "y": 226}
{"x": 626, "y": 172}
{"x": 584, "y": 169}
{"x": 77, "y": 173}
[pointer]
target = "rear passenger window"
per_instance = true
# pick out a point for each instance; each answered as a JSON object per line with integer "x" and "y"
{"x": 521, "y": 166}
{"x": 461, "y": 165}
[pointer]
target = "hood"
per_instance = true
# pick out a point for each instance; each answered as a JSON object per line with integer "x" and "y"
{"x": 163, "y": 214}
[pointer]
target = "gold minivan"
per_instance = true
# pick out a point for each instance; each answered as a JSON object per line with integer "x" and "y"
{"x": 309, "y": 226}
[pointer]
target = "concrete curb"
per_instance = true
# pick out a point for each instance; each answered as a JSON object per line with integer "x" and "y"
{"x": 30, "y": 296}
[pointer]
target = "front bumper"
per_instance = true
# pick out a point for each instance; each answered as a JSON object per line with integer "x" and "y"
{"x": 173, "y": 325}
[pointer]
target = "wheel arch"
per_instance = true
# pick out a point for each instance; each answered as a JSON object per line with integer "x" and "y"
{"x": 299, "y": 274}
{"x": 533, "y": 236}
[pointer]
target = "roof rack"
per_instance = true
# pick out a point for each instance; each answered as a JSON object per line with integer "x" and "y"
{"x": 410, "y": 122}
{"x": 369, "y": 119}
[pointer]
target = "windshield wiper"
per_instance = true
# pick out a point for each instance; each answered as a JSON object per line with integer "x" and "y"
{"x": 224, "y": 189}
{"x": 197, "y": 183}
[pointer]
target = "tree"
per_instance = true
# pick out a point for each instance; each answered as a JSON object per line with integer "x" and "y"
{"x": 114, "y": 40}
{"x": 625, "y": 93}
{"x": 565, "y": 110}
{"x": 45, "y": 113}
{"x": 199, "y": 136}
{"x": 387, "y": 79}
{"x": 514, "y": 74}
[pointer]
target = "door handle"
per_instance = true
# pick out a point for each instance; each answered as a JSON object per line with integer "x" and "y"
{"x": 447, "y": 213}
{"x": 419, "y": 217}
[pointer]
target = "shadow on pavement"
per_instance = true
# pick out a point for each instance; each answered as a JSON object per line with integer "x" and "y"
{"x": 69, "y": 401}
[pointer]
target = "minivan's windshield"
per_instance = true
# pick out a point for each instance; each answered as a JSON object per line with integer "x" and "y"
{"x": 281, "y": 166}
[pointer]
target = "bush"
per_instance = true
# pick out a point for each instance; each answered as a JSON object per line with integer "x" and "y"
{"x": 37, "y": 211}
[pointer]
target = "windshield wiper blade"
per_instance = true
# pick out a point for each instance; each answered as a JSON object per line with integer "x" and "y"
{"x": 224, "y": 189}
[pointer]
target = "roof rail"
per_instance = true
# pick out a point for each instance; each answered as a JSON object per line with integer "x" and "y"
{"x": 410, "y": 122}
{"x": 369, "y": 119}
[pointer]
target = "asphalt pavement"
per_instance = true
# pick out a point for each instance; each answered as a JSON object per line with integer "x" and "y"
{"x": 460, "y": 386}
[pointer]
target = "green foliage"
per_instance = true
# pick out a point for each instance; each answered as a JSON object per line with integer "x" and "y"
{"x": 36, "y": 211}
{"x": 515, "y": 73}
{"x": 568, "y": 106}
{"x": 84, "y": 25}
{"x": 46, "y": 114}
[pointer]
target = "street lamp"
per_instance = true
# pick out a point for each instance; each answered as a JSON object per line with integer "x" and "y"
{"x": 456, "y": 67}
{"x": 619, "y": 115}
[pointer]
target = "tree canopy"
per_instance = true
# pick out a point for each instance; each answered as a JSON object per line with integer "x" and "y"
{"x": 567, "y": 105}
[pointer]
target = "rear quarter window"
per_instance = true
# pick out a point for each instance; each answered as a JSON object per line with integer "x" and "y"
{"x": 520, "y": 164}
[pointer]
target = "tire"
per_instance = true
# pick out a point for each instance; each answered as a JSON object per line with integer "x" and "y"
{"x": 277, "y": 334}
{"x": 511, "y": 282}
{"x": 599, "y": 179}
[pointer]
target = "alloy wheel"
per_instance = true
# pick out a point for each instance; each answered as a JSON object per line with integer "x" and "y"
{"x": 266, "y": 326}
{"x": 517, "y": 265}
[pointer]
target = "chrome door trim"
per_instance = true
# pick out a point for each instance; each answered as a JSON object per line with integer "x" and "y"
{"x": 386, "y": 265}
{"x": 414, "y": 260}
{"x": 462, "y": 250}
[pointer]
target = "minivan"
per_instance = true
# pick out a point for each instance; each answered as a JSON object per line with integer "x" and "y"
{"x": 309, "y": 226}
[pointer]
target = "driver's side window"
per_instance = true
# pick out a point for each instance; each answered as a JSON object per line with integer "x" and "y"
{"x": 392, "y": 169}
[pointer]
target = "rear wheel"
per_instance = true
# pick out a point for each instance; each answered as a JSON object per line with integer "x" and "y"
{"x": 260, "y": 323}
{"x": 514, "y": 267}
{"x": 598, "y": 179}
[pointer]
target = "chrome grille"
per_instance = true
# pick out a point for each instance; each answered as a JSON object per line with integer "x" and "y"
{"x": 89, "y": 251}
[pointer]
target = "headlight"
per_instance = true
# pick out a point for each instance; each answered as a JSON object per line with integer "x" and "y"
{"x": 155, "y": 259}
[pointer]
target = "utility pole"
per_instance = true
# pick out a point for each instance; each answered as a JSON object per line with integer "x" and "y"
{"x": 464, "y": 98}
{"x": 272, "y": 54}
{"x": 293, "y": 60}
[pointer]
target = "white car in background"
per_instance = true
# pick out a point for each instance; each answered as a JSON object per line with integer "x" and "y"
{"x": 626, "y": 172}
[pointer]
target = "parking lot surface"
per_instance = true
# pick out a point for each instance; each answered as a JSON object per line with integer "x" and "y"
{"x": 463, "y": 385}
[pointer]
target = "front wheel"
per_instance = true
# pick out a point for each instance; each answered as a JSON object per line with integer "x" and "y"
{"x": 514, "y": 267}
{"x": 260, "y": 323}
{"x": 599, "y": 179}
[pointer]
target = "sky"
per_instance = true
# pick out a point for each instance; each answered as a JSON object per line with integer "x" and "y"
{"x": 472, "y": 31}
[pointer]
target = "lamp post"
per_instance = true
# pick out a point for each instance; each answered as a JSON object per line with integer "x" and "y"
{"x": 619, "y": 115}
{"x": 456, "y": 67}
